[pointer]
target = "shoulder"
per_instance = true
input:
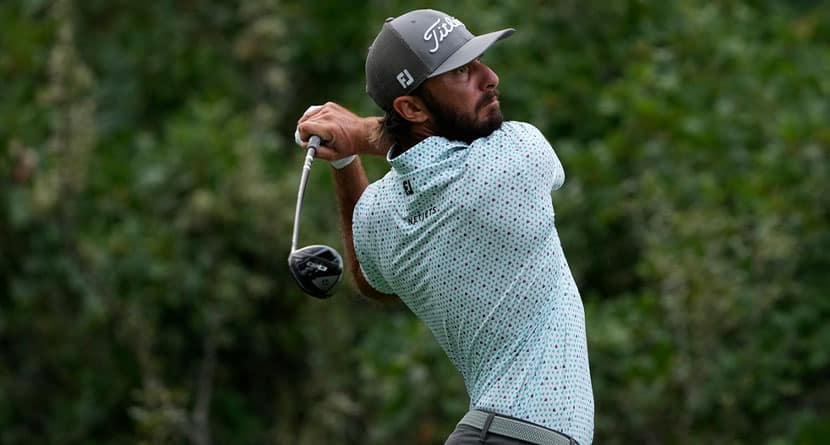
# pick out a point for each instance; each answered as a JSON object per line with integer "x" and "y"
{"x": 520, "y": 129}
{"x": 375, "y": 198}
{"x": 514, "y": 133}
{"x": 517, "y": 136}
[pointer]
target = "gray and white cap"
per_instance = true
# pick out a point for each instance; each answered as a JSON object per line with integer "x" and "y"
{"x": 416, "y": 46}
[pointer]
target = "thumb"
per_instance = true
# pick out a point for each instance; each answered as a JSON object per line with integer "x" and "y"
{"x": 309, "y": 110}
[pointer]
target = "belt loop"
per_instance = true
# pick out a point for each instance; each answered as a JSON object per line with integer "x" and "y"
{"x": 486, "y": 426}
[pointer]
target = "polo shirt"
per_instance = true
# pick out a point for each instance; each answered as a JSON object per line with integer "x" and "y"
{"x": 464, "y": 234}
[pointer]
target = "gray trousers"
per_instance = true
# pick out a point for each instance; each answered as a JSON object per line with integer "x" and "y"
{"x": 467, "y": 435}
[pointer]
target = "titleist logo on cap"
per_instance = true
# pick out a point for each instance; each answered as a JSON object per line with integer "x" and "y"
{"x": 439, "y": 31}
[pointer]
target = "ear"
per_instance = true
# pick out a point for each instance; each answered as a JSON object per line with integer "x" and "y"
{"x": 411, "y": 108}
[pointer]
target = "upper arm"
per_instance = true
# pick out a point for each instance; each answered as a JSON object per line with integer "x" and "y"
{"x": 368, "y": 278}
{"x": 545, "y": 164}
{"x": 367, "y": 290}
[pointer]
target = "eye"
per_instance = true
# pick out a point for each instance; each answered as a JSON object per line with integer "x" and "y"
{"x": 466, "y": 68}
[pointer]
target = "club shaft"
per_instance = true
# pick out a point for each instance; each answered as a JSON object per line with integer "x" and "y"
{"x": 313, "y": 143}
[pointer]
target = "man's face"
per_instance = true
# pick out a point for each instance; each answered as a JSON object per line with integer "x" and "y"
{"x": 464, "y": 102}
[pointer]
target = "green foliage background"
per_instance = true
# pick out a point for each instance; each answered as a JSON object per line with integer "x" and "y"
{"x": 147, "y": 185}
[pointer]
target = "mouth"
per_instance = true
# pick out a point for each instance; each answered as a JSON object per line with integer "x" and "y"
{"x": 488, "y": 100}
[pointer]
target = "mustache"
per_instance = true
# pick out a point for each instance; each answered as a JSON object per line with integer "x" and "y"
{"x": 487, "y": 98}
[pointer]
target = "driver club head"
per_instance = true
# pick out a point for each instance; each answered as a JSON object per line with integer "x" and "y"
{"x": 316, "y": 269}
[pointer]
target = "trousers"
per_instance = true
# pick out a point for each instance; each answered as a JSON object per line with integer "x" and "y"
{"x": 467, "y": 435}
{"x": 483, "y": 427}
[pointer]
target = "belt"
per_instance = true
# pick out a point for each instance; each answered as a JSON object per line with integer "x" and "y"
{"x": 514, "y": 428}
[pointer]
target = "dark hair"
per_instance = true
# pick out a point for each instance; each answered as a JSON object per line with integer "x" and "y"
{"x": 394, "y": 128}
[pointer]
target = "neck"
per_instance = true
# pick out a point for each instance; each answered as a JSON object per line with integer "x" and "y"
{"x": 417, "y": 133}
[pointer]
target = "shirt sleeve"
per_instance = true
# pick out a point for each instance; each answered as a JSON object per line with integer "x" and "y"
{"x": 553, "y": 171}
{"x": 366, "y": 246}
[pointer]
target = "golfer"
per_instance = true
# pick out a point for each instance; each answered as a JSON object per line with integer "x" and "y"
{"x": 461, "y": 229}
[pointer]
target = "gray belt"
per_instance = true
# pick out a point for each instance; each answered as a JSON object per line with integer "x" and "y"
{"x": 514, "y": 428}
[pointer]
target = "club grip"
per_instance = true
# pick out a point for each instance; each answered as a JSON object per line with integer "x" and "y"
{"x": 313, "y": 142}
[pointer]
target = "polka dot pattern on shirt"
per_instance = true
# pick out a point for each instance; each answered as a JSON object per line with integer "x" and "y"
{"x": 465, "y": 235}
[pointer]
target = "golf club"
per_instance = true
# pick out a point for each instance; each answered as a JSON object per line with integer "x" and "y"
{"x": 317, "y": 268}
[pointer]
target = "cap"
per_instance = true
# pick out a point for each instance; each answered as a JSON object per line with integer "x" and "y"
{"x": 416, "y": 46}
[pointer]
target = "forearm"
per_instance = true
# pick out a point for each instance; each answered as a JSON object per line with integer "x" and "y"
{"x": 345, "y": 134}
{"x": 350, "y": 182}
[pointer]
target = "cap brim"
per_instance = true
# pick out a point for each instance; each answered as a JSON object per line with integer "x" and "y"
{"x": 471, "y": 50}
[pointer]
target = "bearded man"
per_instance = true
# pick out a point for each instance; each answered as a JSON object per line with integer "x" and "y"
{"x": 461, "y": 229}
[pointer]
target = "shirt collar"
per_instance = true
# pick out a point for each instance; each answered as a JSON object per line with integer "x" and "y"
{"x": 424, "y": 153}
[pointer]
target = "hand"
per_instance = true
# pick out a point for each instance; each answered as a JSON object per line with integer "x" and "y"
{"x": 343, "y": 132}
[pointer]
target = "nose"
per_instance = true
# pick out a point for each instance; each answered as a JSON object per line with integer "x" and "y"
{"x": 489, "y": 78}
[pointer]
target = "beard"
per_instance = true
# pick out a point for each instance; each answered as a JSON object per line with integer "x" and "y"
{"x": 456, "y": 126}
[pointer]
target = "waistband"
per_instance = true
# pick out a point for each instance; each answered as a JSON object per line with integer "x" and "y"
{"x": 514, "y": 428}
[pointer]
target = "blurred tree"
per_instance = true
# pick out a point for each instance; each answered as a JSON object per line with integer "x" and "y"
{"x": 147, "y": 185}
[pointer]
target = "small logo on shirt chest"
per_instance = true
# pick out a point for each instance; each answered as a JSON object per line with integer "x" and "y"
{"x": 407, "y": 188}
{"x": 418, "y": 217}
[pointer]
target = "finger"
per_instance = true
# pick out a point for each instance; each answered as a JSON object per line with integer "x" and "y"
{"x": 306, "y": 129}
{"x": 308, "y": 113}
{"x": 327, "y": 153}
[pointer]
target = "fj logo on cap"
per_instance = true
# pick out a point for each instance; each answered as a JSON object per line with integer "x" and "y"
{"x": 439, "y": 31}
{"x": 405, "y": 79}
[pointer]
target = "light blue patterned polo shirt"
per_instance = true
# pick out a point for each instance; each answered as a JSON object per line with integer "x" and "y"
{"x": 465, "y": 235}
